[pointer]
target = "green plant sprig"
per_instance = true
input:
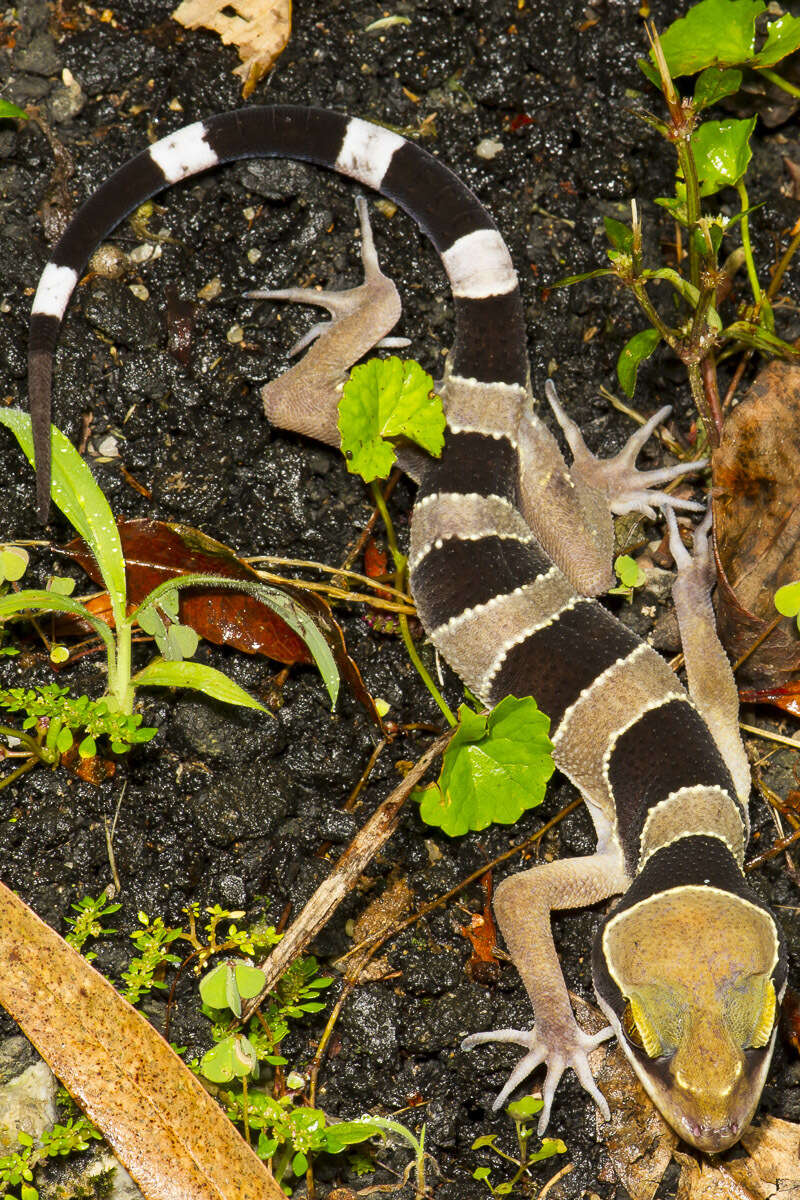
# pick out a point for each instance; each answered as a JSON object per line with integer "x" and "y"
{"x": 521, "y": 1111}
{"x": 713, "y": 40}
{"x": 17, "y": 1167}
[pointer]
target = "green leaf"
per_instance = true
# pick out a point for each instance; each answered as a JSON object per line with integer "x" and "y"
{"x": 481, "y": 1172}
{"x": 181, "y": 642}
{"x": 568, "y": 280}
{"x": 752, "y": 335}
{"x": 528, "y": 1106}
{"x": 10, "y": 111}
{"x": 635, "y": 351}
{"x": 783, "y": 37}
{"x": 387, "y": 398}
{"x": 494, "y": 778}
{"x": 61, "y": 584}
{"x": 549, "y": 1147}
{"x": 160, "y": 673}
{"x": 620, "y": 236}
{"x": 26, "y": 1191}
{"x": 629, "y": 573}
{"x": 74, "y": 490}
{"x": 713, "y": 33}
{"x": 64, "y": 741}
{"x": 150, "y": 621}
{"x": 349, "y": 1133}
{"x": 488, "y": 1139}
{"x": 787, "y": 599}
{"x": 722, "y": 153}
{"x": 299, "y": 1163}
{"x": 88, "y": 748}
{"x": 13, "y": 563}
{"x": 249, "y": 980}
{"x": 714, "y": 85}
{"x": 232, "y": 1058}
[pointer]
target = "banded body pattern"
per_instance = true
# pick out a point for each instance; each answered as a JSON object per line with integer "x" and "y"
{"x": 511, "y": 617}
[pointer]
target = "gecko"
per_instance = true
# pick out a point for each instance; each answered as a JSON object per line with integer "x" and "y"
{"x": 509, "y": 549}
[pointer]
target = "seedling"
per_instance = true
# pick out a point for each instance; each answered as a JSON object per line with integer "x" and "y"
{"x": 521, "y": 1111}
{"x": 629, "y": 574}
{"x": 713, "y": 40}
{"x": 75, "y": 492}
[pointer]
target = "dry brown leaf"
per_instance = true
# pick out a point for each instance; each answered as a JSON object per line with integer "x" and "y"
{"x": 756, "y": 490}
{"x": 259, "y": 29}
{"x": 173, "y": 1138}
{"x": 638, "y": 1139}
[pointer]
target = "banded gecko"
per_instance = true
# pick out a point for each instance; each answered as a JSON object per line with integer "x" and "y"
{"x": 508, "y": 549}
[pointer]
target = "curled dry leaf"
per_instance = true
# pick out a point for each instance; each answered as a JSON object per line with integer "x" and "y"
{"x": 173, "y": 1138}
{"x": 259, "y": 29}
{"x": 756, "y": 496}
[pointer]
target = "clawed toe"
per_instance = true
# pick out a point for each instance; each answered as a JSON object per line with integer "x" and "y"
{"x": 626, "y": 487}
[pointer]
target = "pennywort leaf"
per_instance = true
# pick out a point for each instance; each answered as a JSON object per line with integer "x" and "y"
{"x": 386, "y": 398}
{"x": 495, "y": 768}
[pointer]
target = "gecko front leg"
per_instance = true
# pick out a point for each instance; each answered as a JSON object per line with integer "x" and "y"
{"x": 523, "y": 904}
{"x": 306, "y": 398}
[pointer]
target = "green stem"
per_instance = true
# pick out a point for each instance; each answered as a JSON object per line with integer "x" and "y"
{"x": 780, "y": 82}
{"x": 119, "y": 668}
{"x": 748, "y": 252}
{"x": 652, "y": 314}
{"x": 18, "y": 771}
{"x": 689, "y": 171}
{"x": 401, "y": 566}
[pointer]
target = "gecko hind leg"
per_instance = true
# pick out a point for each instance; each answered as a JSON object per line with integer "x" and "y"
{"x": 305, "y": 399}
{"x": 711, "y": 683}
{"x": 626, "y": 488}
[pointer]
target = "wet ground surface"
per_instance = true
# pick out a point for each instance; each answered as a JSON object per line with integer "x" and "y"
{"x": 230, "y": 807}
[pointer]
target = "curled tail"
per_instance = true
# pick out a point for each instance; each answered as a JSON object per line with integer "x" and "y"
{"x": 478, "y": 265}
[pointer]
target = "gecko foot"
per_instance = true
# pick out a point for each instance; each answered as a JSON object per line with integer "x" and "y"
{"x": 339, "y": 304}
{"x": 627, "y": 488}
{"x": 558, "y": 1053}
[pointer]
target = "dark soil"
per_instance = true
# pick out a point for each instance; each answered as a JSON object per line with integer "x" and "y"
{"x": 229, "y": 807}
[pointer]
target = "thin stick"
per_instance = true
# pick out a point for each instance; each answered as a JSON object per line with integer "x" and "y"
{"x": 353, "y": 862}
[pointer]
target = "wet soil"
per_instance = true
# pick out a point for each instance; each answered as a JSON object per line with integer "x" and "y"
{"x": 231, "y": 807}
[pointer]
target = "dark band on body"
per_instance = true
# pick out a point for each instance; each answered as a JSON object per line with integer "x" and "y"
{"x": 473, "y": 463}
{"x": 556, "y": 663}
{"x": 668, "y": 748}
{"x": 463, "y": 573}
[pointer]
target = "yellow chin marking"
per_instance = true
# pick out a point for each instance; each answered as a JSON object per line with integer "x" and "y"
{"x": 639, "y": 1029}
{"x": 763, "y": 1030}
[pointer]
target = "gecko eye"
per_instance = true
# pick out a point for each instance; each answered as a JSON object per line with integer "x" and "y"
{"x": 639, "y": 1031}
{"x": 763, "y": 1030}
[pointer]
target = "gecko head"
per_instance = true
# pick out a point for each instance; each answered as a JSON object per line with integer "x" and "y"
{"x": 694, "y": 1005}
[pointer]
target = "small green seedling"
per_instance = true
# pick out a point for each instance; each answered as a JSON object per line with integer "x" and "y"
{"x": 229, "y": 983}
{"x": 75, "y": 492}
{"x": 787, "y": 601}
{"x": 18, "y": 1166}
{"x": 629, "y": 574}
{"x": 495, "y": 768}
{"x": 521, "y": 1111}
{"x": 88, "y": 924}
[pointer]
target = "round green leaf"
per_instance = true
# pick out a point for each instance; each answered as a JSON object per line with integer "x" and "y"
{"x": 249, "y": 980}
{"x": 722, "y": 153}
{"x": 496, "y": 778}
{"x": 13, "y": 563}
{"x": 787, "y": 599}
{"x": 214, "y": 986}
